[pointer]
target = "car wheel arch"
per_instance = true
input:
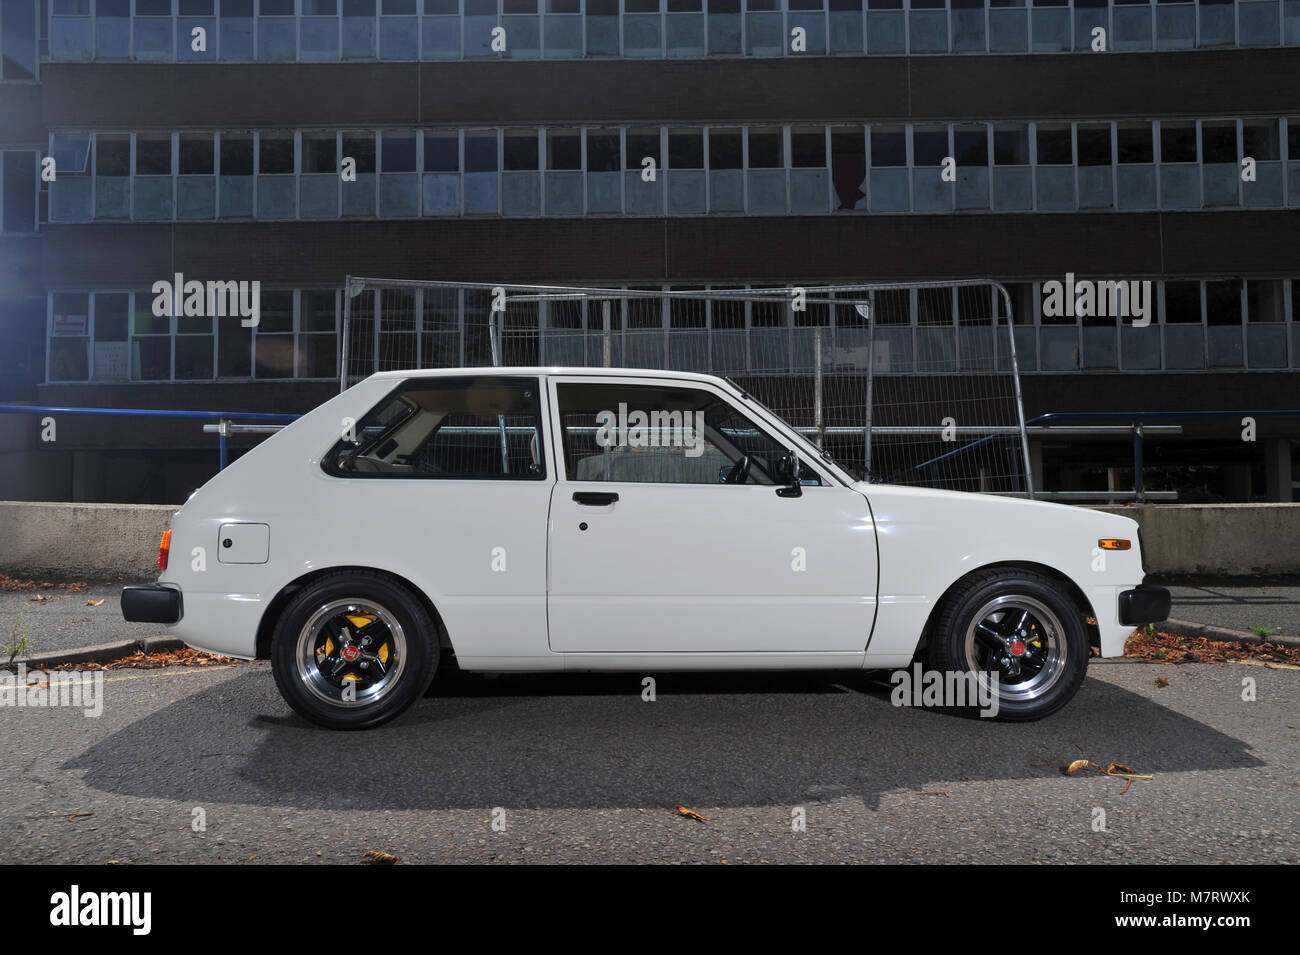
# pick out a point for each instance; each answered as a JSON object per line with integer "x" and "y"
{"x": 274, "y": 610}
{"x": 1074, "y": 591}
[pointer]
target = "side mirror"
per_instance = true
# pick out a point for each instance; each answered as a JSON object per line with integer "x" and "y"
{"x": 787, "y": 468}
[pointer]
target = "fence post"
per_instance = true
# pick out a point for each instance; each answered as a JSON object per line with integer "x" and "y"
{"x": 343, "y": 348}
{"x": 1137, "y": 463}
{"x": 494, "y": 336}
{"x": 607, "y": 344}
{"x": 817, "y": 384}
{"x": 871, "y": 377}
{"x": 1015, "y": 377}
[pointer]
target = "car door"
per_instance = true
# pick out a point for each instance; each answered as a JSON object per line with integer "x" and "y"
{"x": 667, "y": 533}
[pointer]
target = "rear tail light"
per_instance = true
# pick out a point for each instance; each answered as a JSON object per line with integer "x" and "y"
{"x": 164, "y": 547}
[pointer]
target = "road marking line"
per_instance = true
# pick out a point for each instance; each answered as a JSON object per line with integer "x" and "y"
{"x": 142, "y": 676}
{"x": 1268, "y": 664}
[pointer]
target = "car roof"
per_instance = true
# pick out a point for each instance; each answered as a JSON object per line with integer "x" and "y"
{"x": 539, "y": 371}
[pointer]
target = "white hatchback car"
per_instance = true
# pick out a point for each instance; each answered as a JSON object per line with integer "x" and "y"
{"x": 532, "y": 519}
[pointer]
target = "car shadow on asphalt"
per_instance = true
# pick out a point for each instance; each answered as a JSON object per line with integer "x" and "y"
{"x": 593, "y": 742}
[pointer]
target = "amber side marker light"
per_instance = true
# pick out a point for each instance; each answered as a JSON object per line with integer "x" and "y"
{"x": 164, "y": 546}
{"x": 1114, "y": 543}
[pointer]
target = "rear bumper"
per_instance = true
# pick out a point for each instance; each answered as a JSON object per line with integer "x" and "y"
{"x": 151, "y": 603}
{"x": 1143, "y": 604}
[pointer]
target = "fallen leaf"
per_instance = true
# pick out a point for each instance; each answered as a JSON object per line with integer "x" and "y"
{"x": 1161, "y": 681}
{"x": 94, "y": 603}
{"x": 934, "y": 792}
{"x": 79, "y": 815}
{"x": 690, "y": 814}
{"x": 375, "y": 857}
{"x": 1114, "y": 769}
{"x": 1079, "y": 764}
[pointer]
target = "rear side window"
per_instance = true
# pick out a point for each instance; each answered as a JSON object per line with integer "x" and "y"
{"x": 481, "y": 427}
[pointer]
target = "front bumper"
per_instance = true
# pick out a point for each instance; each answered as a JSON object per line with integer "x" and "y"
{"x": 1143, "y": 604}
{"x": 151, "y": 603}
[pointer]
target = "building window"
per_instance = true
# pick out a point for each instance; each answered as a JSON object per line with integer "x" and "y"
{"x": 399, "y": 184}
{"x": 1180, "y": 178}
{"x": 891, "y": 189}
{"x": 318, "y": 334}
{"x": 521, "y": 185}
{"x": 686, "y": 174}
{"x": 1013, "y": 181}
{"x": 1219, "y": 166}
{"x": 273, "y": 342}
{"x": 564, "y": 190}
{"x": 679, "y": 170}
{"x": 19, "y": 189}
{"x": 441, "y": 182}
{"x": 69, "y": 340}
{"x": 849, "y": 167}
{"x": 726, "y": 158}
{"x": 643, "y": 162}
{"x": 970, "y": 143}
{"x": 1096, "y": 166}
{"x": 1054, "y": 175}
{"x": 152, "y": 188}
{"x": 235, "y": 175}
{"x": 151, "y": 336}
{"x": 18, "y": 40}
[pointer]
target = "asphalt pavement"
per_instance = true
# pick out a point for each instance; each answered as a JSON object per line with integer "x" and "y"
{"x": 1238, "y": 605}
{"x": 580, "y": 768}
{"x": 66, "y": 619}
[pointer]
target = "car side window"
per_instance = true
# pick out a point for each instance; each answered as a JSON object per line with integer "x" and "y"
{"x": 656, "y": 434}
{"x": 483, "y": 427}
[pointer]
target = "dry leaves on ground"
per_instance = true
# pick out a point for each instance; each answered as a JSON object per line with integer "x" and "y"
{"x": 151, "y": 661}
{"x": 1170, "y": 648}
{"x": 13, "y": 583}
{"x": 689, "y": 813}
{"x": 375, "y": 857}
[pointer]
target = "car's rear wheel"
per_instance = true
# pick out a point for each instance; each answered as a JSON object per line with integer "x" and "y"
{"x": 1020, "y": 634}
{"x": 354, "y": 650}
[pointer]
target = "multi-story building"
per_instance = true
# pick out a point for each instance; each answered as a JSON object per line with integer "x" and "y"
{"x": 294, "y": 142}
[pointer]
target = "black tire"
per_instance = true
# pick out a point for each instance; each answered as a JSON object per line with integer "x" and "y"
{"x": 358, "y": 627}
{"x": 1032, "y": 683}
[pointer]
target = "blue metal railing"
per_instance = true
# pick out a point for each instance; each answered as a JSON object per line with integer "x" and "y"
{"x": 1042, "y": 424}
{"x": 219, "y": 418}
{"x": 1135, "y": 420}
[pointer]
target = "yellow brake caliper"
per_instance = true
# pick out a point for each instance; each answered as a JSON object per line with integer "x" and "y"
{"x": 359, "y": 620}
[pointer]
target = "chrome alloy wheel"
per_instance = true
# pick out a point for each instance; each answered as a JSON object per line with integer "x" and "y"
{"x": 1021, "y": 640}
{"x": 357, "y": 642}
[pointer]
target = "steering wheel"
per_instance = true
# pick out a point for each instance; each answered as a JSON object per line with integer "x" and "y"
{"x": 740, "y": 470}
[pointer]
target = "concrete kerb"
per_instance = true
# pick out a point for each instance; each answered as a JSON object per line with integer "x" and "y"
{"x": 101, "y": 652}
{"x": 1185, "y": 628}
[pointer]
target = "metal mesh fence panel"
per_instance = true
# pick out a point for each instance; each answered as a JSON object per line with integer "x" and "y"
{"x": 912, "y": 384}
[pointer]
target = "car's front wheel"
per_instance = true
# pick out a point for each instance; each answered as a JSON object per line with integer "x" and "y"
{"x": 1021, "y": 636}
{"x": 353, "y": 650}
